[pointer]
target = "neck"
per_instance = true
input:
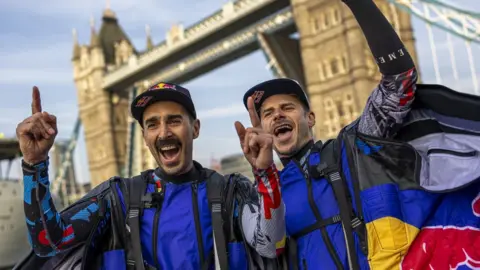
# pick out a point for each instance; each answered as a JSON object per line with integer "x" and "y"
{"x": 298, "y": 154}
{"x": 192, "y": 173}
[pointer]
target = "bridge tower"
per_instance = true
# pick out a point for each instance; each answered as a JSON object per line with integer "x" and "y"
{"x": 340, "y": 72}
{"x": 104, "y": 114}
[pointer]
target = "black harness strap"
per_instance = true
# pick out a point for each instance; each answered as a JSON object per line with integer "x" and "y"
{"x": 317, "y": 225}
{"x": 215, "y": 188}
{"x": 329, "y": 167}
{"x": 136, "y": 189}
{"x": 309, "y": 173}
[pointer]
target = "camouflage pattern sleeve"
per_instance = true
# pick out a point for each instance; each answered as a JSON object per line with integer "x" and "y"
{"x": 388, "y": 105}
{"x": 263, "y": 216}
{"x": 50, "y": 232}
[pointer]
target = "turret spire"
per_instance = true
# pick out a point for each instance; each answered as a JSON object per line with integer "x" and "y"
{"x": 93, "y": 35}
{"x": 75, "y": 36}
{"x": 108, "y": 13}
{"x": 76, "y": 46}
{"x": 149, "y": 37}
{"x": 92, "y": 23}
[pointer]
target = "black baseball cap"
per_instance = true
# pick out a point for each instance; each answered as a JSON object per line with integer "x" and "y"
{"x": 264, "y": 90}
{"x": 162, "y": 92}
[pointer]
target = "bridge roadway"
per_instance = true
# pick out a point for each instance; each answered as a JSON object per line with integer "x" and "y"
{"x": 226, "y": 50}
{"x": 232, "y": 28}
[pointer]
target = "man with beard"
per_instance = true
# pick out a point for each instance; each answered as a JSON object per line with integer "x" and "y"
{"x": 190, "y": 217}
{"x": 324, "y": 231}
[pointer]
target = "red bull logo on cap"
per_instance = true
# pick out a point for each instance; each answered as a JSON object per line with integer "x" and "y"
{"x": 257, "y": 96}
{"x": 143, "y": 101}
{"x": 161, "y": 86}
{"x": 446, "y": 247}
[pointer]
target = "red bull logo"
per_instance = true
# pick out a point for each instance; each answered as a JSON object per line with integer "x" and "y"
{"x": 143, "y": 101}
{"x": 257, "y": 96}
{"x": 446, "y": 247}
{"x": 161, "y": 86}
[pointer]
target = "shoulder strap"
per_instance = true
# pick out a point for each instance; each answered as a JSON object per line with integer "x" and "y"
{"x": 215, "y": 188}
{"x": 136, "y": 187}
{"x": 329, "y": 166}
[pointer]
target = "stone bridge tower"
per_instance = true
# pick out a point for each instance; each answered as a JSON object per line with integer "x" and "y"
{"x": 104, "y": 114}
{"x": 340, "y": 73}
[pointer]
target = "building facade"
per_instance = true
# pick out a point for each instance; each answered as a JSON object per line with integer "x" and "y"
{"x": 340, "y": 72}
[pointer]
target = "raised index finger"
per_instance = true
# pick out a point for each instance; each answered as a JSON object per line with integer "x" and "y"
{"x": 36, "y": 101}
{"x": 253, "y": 113}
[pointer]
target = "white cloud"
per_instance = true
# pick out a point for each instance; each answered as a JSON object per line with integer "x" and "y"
{"x": 217, "y": 147}
{"x": 66, "y": 117}
{"x": 35, "y": 76}
{"x": 222, "y": 112}
{"x": 48, "y": 55}
{"x": 41, "y": 64}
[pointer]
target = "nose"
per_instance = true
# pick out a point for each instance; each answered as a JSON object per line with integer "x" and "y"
{"x": 278, "y": 115}
{"x": 164, "y": 132}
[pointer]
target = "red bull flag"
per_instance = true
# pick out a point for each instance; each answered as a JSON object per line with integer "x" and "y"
{"x": 420, "y": 194}
{"x": 451, "y": 239}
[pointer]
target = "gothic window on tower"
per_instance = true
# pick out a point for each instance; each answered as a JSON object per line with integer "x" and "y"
{"x": 326, "y": 19}
{"x": 348, "y": 108}
{"x": 344, "y": 63}
{"x": 335, "y": 16}
{"x": 340, "y": 108}
{"x": 327, "y": 69}
{"x": 321, "y": 72}
{"x": 334, "y": 66}
{"x": 315, "y": 25}
{"x": 331, "y": 113}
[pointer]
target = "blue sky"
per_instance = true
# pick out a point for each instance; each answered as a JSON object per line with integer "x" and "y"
{"x": 36, "y": 47}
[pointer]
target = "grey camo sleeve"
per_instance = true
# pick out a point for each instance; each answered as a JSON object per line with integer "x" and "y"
{"x": 263, "y": 214}
{"x": 388, "y": 105}
{"x": 390, "y": 101}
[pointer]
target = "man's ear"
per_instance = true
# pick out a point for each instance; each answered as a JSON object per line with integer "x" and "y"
{"x": 196, "y": 128}
{"x": 311, "y": 119}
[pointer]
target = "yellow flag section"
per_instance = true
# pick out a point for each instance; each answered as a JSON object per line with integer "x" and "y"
{"x": 388, "y": 241}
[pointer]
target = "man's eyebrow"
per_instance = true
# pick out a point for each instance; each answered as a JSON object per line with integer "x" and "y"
{"x": 268, "y": 109}
{"x": 152, "y": 119}
{"x": 174, "y": 116}
{"x": 281, "y": 105}
{"x": 286, "y": 104}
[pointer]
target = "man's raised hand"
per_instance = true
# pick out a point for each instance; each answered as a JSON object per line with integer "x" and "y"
{"x": 256, "y": 144}
{"x": 36, "y": 133}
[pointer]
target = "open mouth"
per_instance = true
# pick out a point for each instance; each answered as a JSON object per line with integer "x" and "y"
{"x": 170, "y": 153}
{"x": 283, "y": 131}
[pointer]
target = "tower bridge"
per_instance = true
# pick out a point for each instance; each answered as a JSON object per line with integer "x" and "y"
{"x": 328, "y": 55}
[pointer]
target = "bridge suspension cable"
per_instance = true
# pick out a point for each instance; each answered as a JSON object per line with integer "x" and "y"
{"x": 66, "y": 162}
{"x": 465, "y": 24}
{"x": 454, "y": 21}
{"x": 130, "y": 143}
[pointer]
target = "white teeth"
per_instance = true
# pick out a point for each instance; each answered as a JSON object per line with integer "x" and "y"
{"x": 282, "y": 126}
{"x": 169, "y": 147}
